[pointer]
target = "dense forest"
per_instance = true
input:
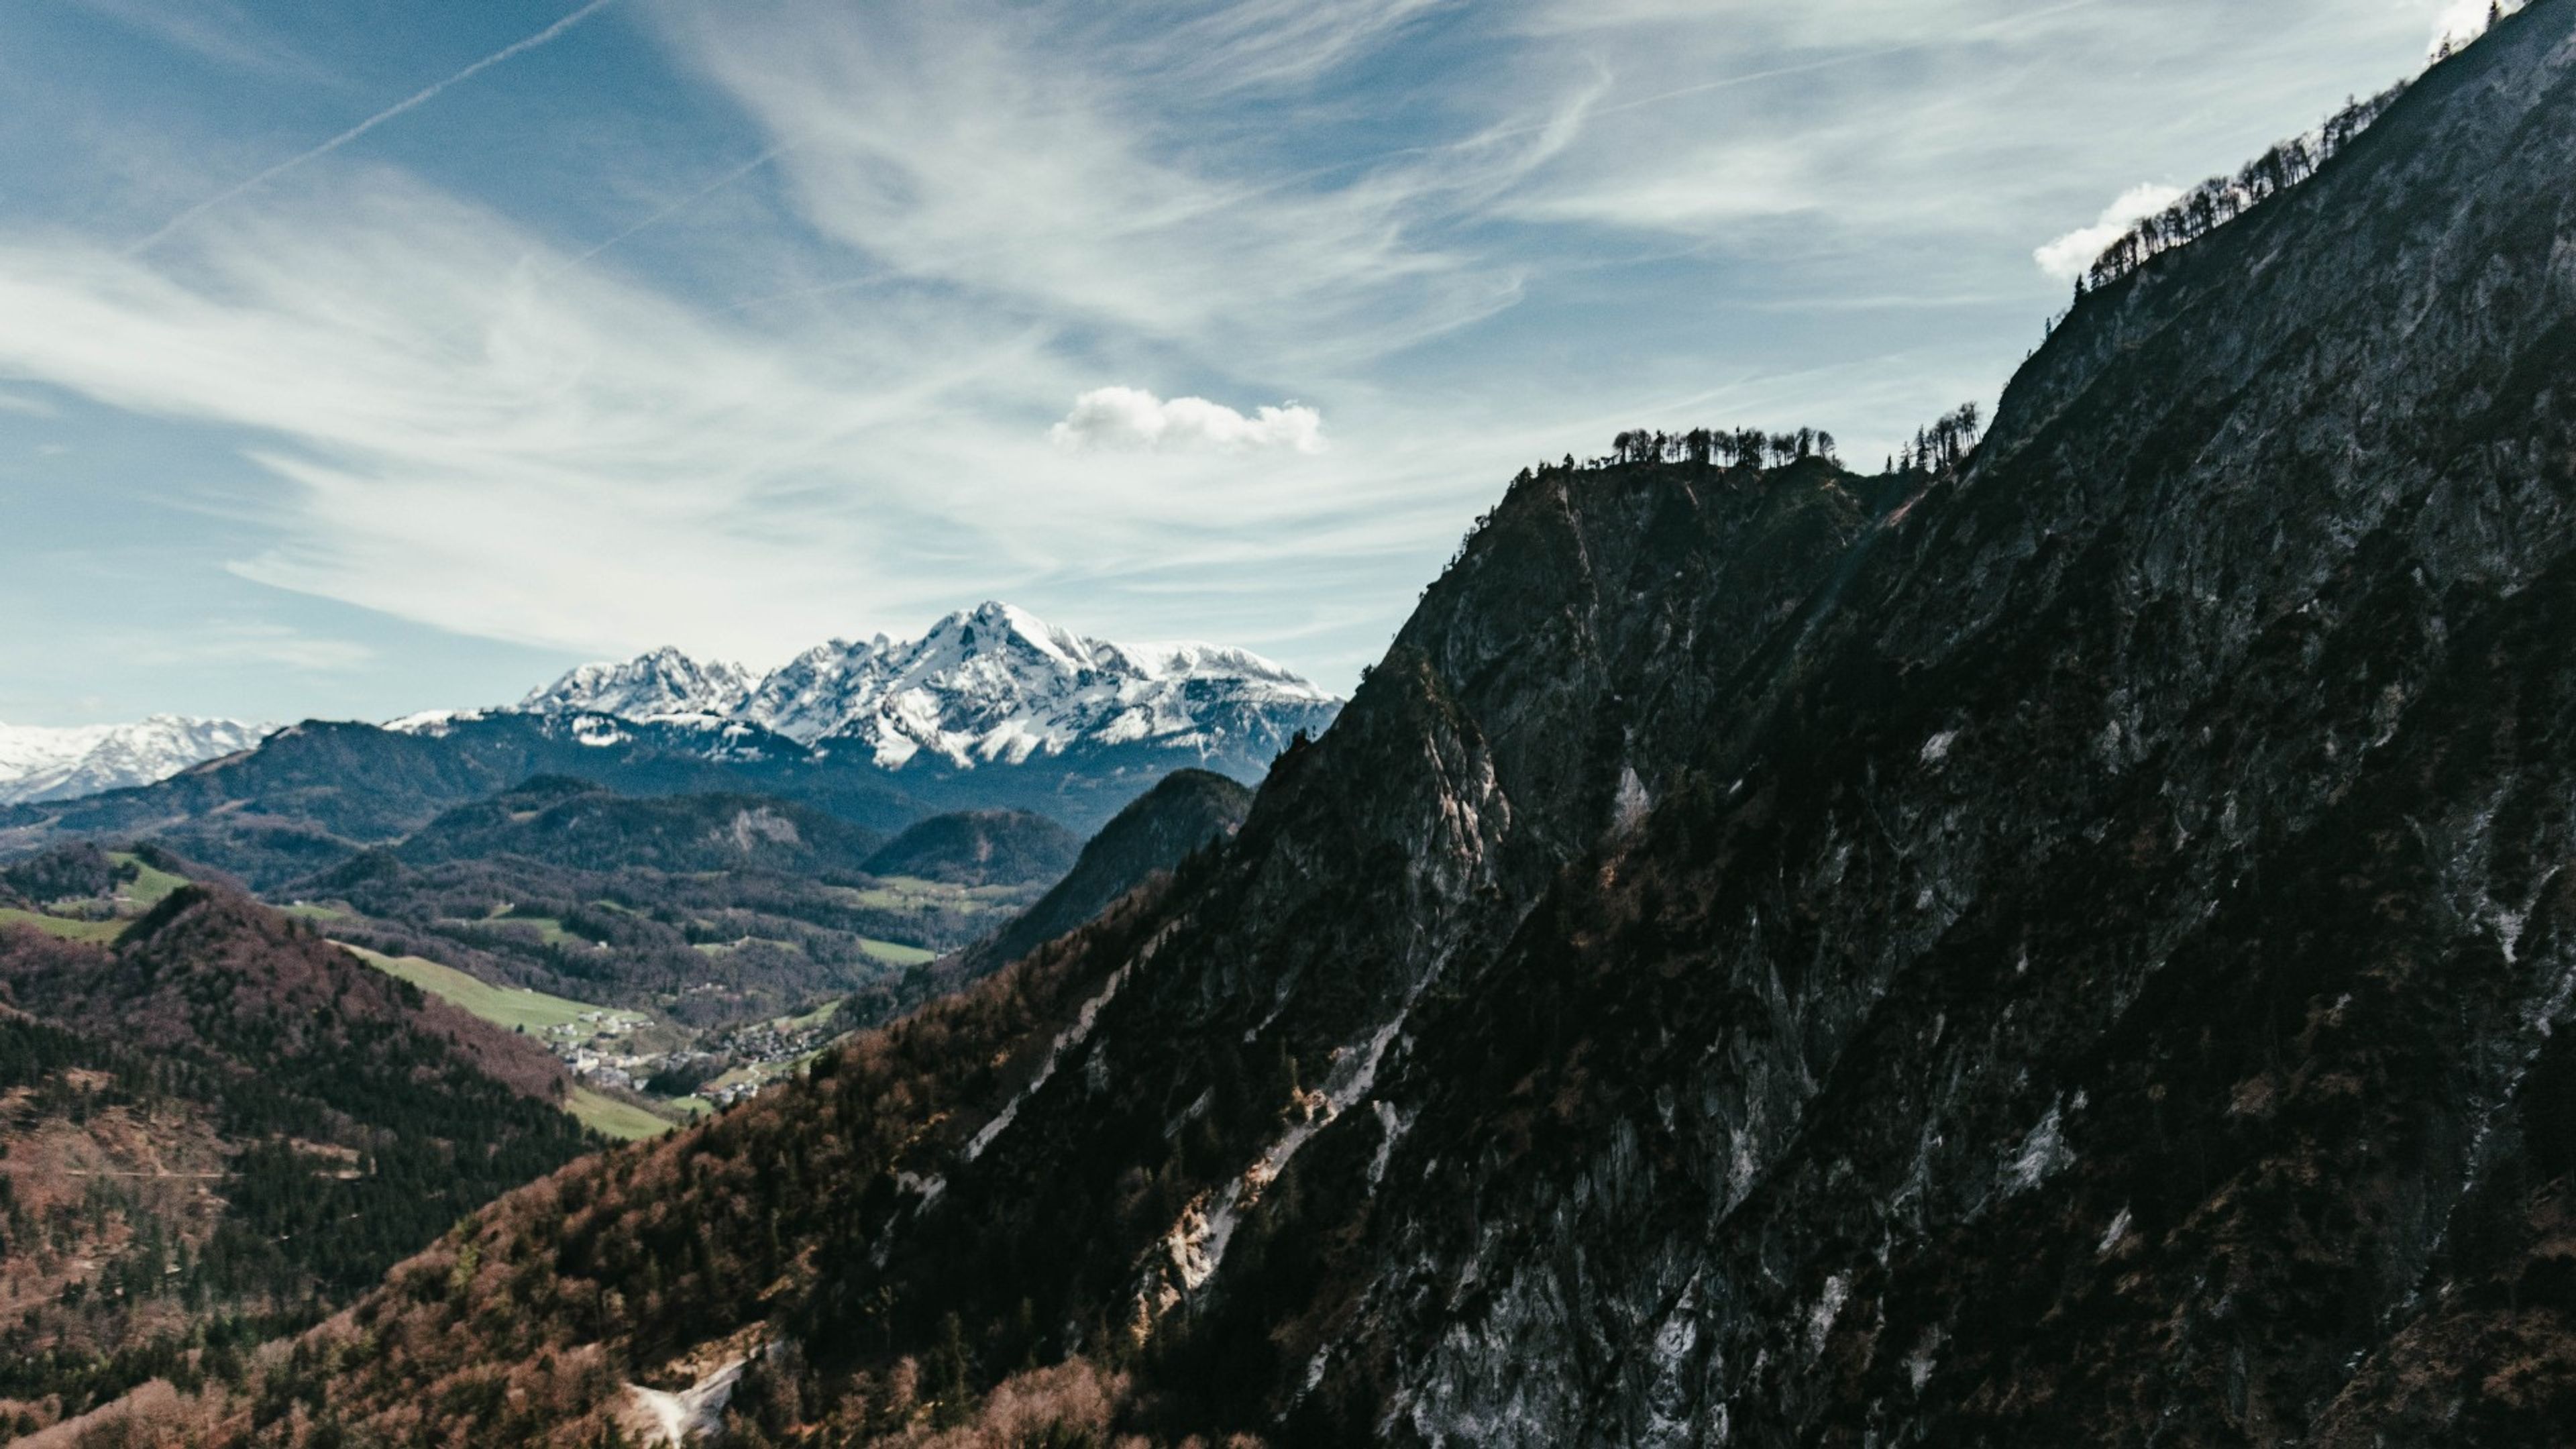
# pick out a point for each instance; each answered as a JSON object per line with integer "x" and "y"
{"x": 981, "y": 848}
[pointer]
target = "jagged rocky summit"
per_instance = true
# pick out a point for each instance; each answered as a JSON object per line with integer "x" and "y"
{"x": 992, "y": 684}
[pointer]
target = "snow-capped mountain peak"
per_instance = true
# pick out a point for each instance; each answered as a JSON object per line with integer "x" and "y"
{"x": 59, "y": 763}
{"x": 995, "y": 683}
{"x": 661, "y": 684}
{"x": 990, "y": 684}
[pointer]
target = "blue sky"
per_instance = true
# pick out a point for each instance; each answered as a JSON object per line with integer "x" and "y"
{"x": 359, "y": 357}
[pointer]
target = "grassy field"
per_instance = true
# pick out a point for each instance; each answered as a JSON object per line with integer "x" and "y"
{"x": 500, "y": 1005}
{"x": 722, "y": 948}
{"x": 817, "y": 1017}
{"x": 903, "y": 892}
{"x": 63, "y": 926}
{"x": 549, "y": 930}
{"x": 896, "y": 954}
{"x": 308, "y": 911}
{"x": 150, "y": 886}
{"x": 610, "y": 1117}
{"x": 766, "y": 1071}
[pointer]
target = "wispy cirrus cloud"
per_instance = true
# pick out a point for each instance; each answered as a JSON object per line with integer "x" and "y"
{"x": 246, "y": 642}
{"x": 813, "y": 379}
{"x": 216, "y": 30}
{"x": 1032, "y": 160}
{"x": 544, "y": 36}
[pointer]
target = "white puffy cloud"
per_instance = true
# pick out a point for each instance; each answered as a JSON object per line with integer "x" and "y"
{"x": 2069, "y": 256}
{"x": 1132, "y": 418}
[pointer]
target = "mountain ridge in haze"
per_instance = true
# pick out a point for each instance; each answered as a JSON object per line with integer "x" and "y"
{"x": 39, "y": 763}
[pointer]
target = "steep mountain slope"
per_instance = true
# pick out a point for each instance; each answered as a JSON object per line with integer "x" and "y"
{"x": 38, "y": 763}
{"x": 558, "y": 820}
{"x": 981, "y": 847}
{"x": 2069, "y": 949}
{"x": 1361, "y": 861}
{"x": 222, "y": 1125}
{"x": 1189, "y": 811}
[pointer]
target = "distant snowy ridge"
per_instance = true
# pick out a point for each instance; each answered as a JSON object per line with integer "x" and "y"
{"x": 992, "y": 684}
{"x": 40, "y": 763}
{"x": 663, "y": 684}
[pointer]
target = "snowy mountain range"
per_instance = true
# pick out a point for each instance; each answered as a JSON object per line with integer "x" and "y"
{"x": 985, "y": 686}
{"x": 992, "y": 684}
{"x": 47, "y": 763}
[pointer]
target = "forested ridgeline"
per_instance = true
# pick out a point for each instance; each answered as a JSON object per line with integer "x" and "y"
{"x": 221, "y": 1126}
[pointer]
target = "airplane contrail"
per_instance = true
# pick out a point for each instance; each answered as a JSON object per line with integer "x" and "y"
{"x": 683, "y": 204}
{"x": 417, "y": 99}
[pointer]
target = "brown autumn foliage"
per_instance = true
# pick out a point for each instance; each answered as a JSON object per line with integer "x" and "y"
{"x": 520, "y": 1326}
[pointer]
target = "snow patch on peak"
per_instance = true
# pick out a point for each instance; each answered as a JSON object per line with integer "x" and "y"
{"x": 997, "y": 684}
{"x": 659, "y": 684}
{"x": 434, "y": 723}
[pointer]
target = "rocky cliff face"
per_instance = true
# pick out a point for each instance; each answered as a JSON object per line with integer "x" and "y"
{"x": 2071, "y": 949}
{"x": 2086, "y": 994}
{"x": 2071, "y": 961}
